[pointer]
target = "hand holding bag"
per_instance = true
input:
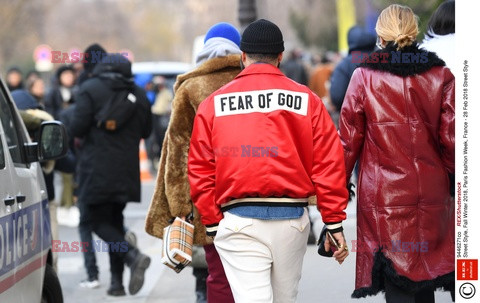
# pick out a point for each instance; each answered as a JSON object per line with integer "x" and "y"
{"x": 321, "y": 243}
{"x": 178, "y": 244}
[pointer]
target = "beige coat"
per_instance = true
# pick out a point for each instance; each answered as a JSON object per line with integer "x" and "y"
{"x": 171, "y": 197}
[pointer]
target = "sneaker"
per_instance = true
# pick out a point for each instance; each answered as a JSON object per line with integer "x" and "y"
{"x": 90, "y": 283}
{"x": 69, "y": 217}
{"x": 61, "y": 216}
{"x": 74, "y": 216}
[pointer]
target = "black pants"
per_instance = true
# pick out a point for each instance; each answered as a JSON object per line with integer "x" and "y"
{"x": 85, "y": 230}
{"x": 160, "y": 125}
{"x": 107, "y": 222}
{"x": 394, "y": 294}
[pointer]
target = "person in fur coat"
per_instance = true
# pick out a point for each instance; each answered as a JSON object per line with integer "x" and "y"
{"x": 217, "y": 64}
{"x": 398, "y": 122}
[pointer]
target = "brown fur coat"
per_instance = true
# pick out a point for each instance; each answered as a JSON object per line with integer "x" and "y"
{"x": 171, "y": 197}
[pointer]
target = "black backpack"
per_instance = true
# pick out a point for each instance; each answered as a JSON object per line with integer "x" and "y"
{"x": 116, "y": 112}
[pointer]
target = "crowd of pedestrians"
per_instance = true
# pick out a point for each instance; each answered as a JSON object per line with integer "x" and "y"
{"x": 88, "y": 180}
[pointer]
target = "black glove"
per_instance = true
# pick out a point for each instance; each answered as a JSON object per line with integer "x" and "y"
{"x": 321, "y": 243}
{"x": 351, "y": 192}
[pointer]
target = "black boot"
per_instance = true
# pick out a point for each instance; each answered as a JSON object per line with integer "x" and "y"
{"x": 201, "y": 275}
{"x": 116, "y": 286}
{"x": 138, "y": 264}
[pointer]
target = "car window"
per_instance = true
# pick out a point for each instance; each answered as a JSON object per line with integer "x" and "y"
{"x": 11, "y": 135}
{"x": 2, "y": 157}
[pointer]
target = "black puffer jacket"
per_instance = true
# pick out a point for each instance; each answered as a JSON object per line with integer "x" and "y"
{"x": 108, "y": 168}
{"x": 358, "y": 40}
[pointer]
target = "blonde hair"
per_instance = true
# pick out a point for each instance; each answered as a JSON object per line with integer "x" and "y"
{"x": 399, "y": 24}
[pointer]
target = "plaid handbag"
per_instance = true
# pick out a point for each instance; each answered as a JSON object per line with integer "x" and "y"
{"x": 177, "y": 244}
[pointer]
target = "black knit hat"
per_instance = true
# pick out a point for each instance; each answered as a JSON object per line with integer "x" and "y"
{"x": 93, "y": 48}
{"x": 262, "y": 37}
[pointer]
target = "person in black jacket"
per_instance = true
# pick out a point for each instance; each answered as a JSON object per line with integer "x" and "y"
{"x": 293, "y": 67}
{"x": 60, "y": 96}
{"x": 84, "y": 226}
{"x": 359, "y": 40}
{"x": 108, "y": 168}
{"x": 94, "y": 51}
{"x": 14, "y": 78}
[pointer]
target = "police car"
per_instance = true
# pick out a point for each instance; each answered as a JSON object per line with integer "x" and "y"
{"x": 26, "y": 272}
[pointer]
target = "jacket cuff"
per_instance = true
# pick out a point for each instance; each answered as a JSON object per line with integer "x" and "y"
{"x": 212, "y": 229}
{"x": 334, "y": 227}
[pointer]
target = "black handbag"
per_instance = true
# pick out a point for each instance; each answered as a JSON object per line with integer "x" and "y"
{"x": 321, "y": 244}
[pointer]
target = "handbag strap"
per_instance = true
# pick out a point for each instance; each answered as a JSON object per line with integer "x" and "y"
{"x": 188, "y": 218}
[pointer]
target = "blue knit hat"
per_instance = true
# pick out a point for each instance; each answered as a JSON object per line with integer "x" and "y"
{"x": 224, "y": 30}
{"x": 24, "y": 100}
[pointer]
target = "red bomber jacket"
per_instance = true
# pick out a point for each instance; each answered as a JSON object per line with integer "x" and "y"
{"x": 264, "y": 139}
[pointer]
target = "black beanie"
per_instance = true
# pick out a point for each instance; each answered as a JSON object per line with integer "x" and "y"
{"x": 94, "y": 48}
{"x": 262, "y": 37}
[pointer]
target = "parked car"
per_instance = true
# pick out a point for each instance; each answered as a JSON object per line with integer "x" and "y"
{"x": 26, "y": 271}
{"x": 168, "y": 69}
{"x": 144, "y": 73}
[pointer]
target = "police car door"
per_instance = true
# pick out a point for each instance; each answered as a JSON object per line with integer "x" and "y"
{"x": 22, "y": 255}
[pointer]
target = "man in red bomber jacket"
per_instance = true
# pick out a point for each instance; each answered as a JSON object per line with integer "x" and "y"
{"x": 261, "y": 145}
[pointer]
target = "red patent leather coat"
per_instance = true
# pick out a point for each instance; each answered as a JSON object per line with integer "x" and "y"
{"x": 398, "y": 121}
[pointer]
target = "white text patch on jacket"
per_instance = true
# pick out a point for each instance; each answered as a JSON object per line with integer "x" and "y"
{"x": 261, "y": 101}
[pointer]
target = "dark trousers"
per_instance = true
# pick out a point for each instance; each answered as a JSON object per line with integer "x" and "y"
{"x": 85, "y": 230}
{"x": 394, "y": 294}
{"x": 160, "y": 125}
{"x": 107, "y": 223}
{"x": 218, "y": 288}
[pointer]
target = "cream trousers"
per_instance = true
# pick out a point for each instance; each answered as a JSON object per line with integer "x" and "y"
{"x": 262, "y": 258}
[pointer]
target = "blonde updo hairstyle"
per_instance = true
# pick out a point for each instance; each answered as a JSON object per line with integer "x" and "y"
{"x": 397, "y": 23}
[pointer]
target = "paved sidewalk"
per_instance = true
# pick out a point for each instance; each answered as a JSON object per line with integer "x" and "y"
{"x": 323, "y": 280}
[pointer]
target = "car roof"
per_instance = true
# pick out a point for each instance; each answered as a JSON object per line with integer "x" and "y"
{"x": 164, "y": 68}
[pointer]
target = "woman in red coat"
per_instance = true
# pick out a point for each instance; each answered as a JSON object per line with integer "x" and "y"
{"x": 397, "y": 121}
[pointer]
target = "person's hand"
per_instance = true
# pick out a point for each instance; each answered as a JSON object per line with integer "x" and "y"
{"x": 342, "y": 253}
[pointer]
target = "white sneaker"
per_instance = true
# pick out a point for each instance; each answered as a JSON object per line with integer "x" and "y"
{"x": 62, "y": 214}
{"x": 68, "y": 216}
{"x": 73, "y": 216}
{"x": 90, "y": 284}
